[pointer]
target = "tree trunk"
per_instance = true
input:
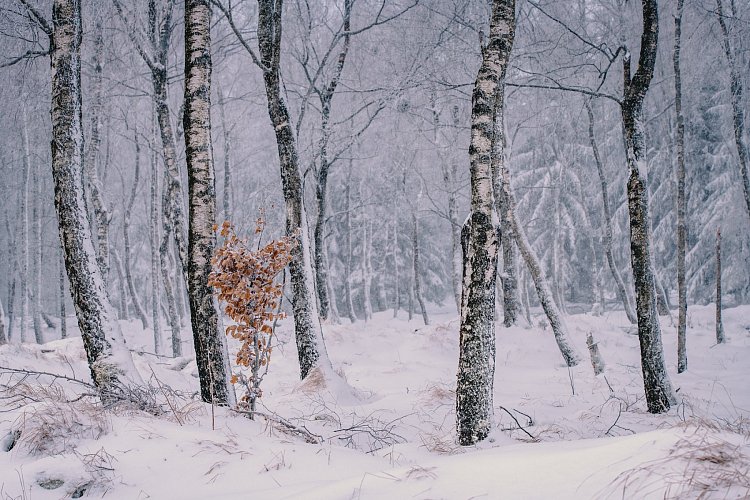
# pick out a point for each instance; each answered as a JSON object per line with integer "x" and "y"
{"x": 394, "y": 254}
{"x": 153, "y": 238}
{"x": 3, "y": 336}
{"x": 597, "y": 362}
{"x": 210, "y": 344}
{"x": 63, "y": 316}
{"x": 227, "y": 195}
{"x": 658, "y": 388}
{"x": 36, "y": 215}
{"x": 619, "y": 283}
{"x": 719, "y": 323}
{"x": 416, "y": 265}
{"x": 139, "y": 311}
{"x": 122, "y": 312}
{"x": 479, "y": 238}
{"x": 166, "y": 277}
{"x": 91, "y": 164}
{"x": 367, "y": 268}
{"x": 308, "y": 332}
{"x": 738, "y": 115}
{"x": 109, "y": 358}
{"x": 24, "y": 281}
{"x": 348, "y": 248}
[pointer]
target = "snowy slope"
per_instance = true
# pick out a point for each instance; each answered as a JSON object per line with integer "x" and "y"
{"x": 390, "y": 432}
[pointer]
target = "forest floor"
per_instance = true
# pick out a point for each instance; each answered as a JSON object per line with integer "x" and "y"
{"x": 390, "y": 432}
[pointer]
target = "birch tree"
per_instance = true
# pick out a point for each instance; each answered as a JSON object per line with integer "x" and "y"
{"x": 210, "y": 348}
{"x": 109, "y": 358}
{"x": 681, "y": 201}
{"x": 476, "y": 362}
{"x": 659, "y": 394}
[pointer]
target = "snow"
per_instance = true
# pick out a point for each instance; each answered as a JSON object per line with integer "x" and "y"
{"x": 388, "y": 425}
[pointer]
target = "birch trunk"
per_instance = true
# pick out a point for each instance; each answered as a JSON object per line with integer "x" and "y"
{"x": 719, "y": 323}
{"x": 658, "y": 388}
{"x": 36, "y": 215}
{"x": 394, "y": 255}
{"x": 367, "y": 268}
{"x": 139, "y": 311}
{"x": 63, "y": 318}
{"x": 24, "y": 278}
{"x": 348, "y": 248}
{"x": 153, "y": 238}
{"x": 91, "y": 162}
{"x": 479, "y": 238}
{"x": 210, "y": 348}
{"x": 122, "y": 312}
{"x": 166, "y": 278}
{"x": 607, "y": 212}
{"x": 109, "y": 358}
{"x": 227, "y": 194}
{"x": 3, "y": 336}
{"x": 738, "y": 114}
{"x": 308, "y": 332}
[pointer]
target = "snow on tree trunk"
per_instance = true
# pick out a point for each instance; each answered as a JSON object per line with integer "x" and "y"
{"x": 122, "y": 312}
{"x": 479, "y": 238}
{"x": 166, "y": 278}
{"x": 738, "y": 114}
{"x": 139, "y": 311}
{"x": 227, "y": 194}
{"x": 210, "y": 349}
{"x": 311, "y": 348}
{"x": 3, "y": 336}
{"x": 348, "y": 248}
{"x": 24, "y": 278}
{"x": 153, "y": 238}
{"x": 658, "y": 388}
{"x": 597, "y": 362}
{"x": 501, "y": 183}
{"x": 367, "y": 268}
{"x": 91, "y": 162}
{"x": 607, "y": 213}
{"x": 394, "y": 256}
{"x": 109, "y": 358}
{"x": 719, "y": 323}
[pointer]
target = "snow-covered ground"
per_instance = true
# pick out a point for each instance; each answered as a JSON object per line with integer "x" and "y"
{"x": 391, "y": 435}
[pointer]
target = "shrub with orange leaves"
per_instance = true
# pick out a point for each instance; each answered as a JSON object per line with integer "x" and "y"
{"x": 244, "y": 282}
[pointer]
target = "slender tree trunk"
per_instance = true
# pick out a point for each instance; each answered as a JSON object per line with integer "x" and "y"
{"x": 210, "y": 346}
{"x": 394, "y": 254}
{"x": 658, "y": 388}
{"x": 24, "y": 282}
{"x": 139, "y": 311}
{"x": 738, "y": 115}
{"x": 416, "y": 265}
{"x": 311, "y": 348}
{"x": 36, "y": 215}
{"x": 166, "y": 277}
{"x": 608, "y": 232}
{"x": 63, "y": 315}
{"x": 109, "y": 358}
{"x": 479, "y": 238}
{"x": 348, "y": 248}
{"x": 719, "y": 323}
{"x": 91, "y": 163}
{"x": 367, "y": 268}
{"x": 121, "y": 294}
{"x": 153, "y": 237}
{"x": 227, "y": 194}
{"x": 3, "y": 336}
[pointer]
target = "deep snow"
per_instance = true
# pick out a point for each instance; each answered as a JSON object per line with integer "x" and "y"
{"x": 391, "y": 434}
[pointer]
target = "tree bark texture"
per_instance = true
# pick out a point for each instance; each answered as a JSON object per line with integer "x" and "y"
{"x": 738, "y": 114}
{"x": 24, "y": 278}
{"x": 476, "y": 364}
{"x": 659, "y": 394}
{"x": 348, "y": 248}
{"x": 607, "y": 215}
{"x": 719, "y": 323}
{"x": 153, "y": 237}
{"x": 227, "y": 195}
{"x": 311, "y": 348}
{"x": 682, "y": 362}
{"x": 417, "y": 268}
{"x": 36, "y": 226}
{"x": 63, "y": 314}
{"x": 109, "y": 358}
{"x": 210, "y": 347}
{"x": 3, "y": 336}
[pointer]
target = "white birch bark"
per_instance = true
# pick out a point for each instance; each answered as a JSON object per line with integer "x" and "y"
{"x": 109, "y": 358}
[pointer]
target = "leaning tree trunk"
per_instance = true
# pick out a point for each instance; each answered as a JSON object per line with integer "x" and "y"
{"x": 738, "y": 115}
{"x": 210, "y": 343}
{"x": 476, "y": 362}
{"x": 607, "y": 212}
{"x": 681, "y": 200}
{"x": 139, "y": 311}
{"x": 309, "y": 334}
{"x": 659, "y": 394}
{"x": 109, "y": 358}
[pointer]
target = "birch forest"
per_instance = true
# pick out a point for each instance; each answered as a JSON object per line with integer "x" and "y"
{"x": 371, "y": 248}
